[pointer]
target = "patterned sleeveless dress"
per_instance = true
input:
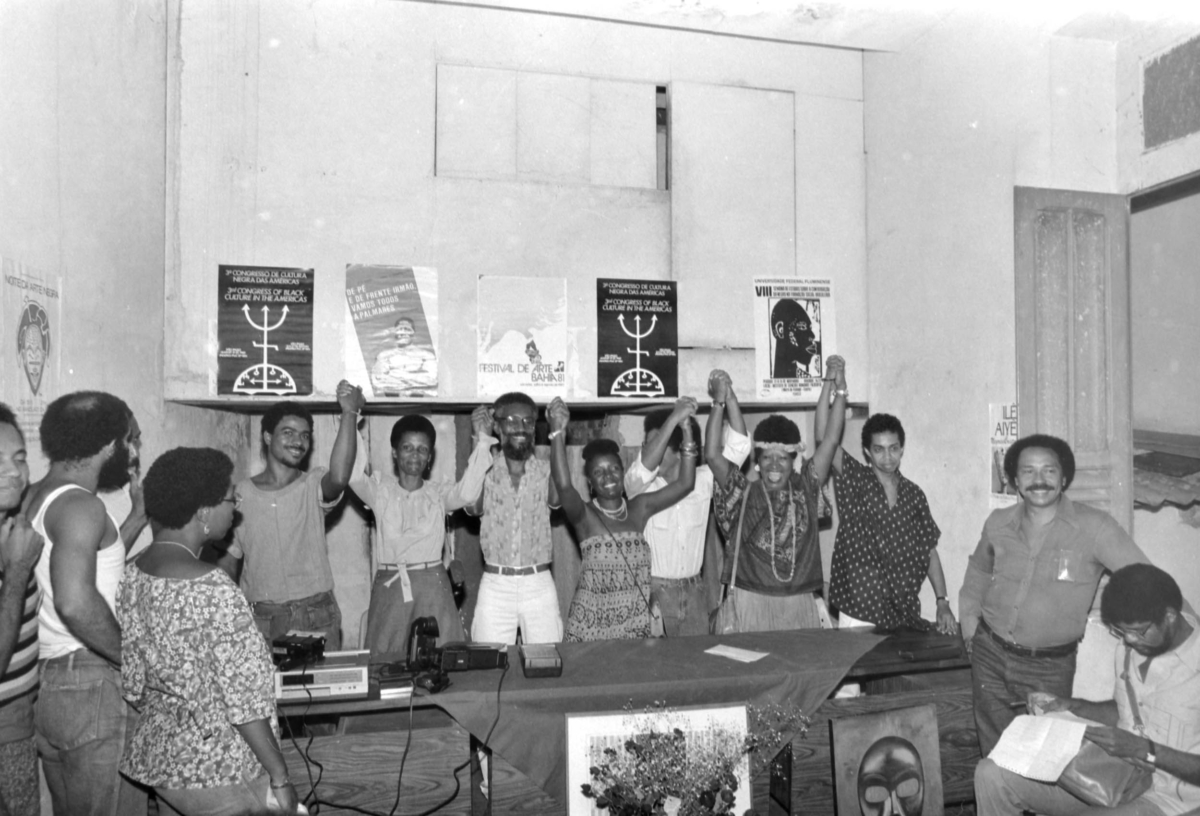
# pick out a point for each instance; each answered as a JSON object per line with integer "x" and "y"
{"x": 612, "y": 600}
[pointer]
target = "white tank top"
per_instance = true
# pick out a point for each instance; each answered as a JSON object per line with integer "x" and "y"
{"x": 54, "y": 640}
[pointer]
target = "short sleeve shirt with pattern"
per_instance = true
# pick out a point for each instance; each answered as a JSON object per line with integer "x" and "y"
{"x": 515, "y": 530}
{"x": 881, "y": 554}
{"x": 195, "y": 665}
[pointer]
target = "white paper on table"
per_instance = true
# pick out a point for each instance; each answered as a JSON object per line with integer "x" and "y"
{"x": 734, "y": 653}
{"x": 1040, "y": 748}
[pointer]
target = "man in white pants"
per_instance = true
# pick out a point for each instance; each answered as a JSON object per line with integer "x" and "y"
{"x": 517, "y": 590}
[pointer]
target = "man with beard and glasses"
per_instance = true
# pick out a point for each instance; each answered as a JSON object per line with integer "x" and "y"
{"x": 280, "y": 540}
{"x": 1030, "y": 583}
{"x": 1152, "y": 720}
{"x": 81, "y": 720}
{"x": 517, "y": 590}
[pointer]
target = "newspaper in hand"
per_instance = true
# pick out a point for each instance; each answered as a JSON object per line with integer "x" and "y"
{"x": 1040, "y": 747}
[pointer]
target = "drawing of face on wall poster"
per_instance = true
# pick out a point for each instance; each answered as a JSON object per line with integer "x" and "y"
{"x": 394, "y": 312}
{"x": 637, "y": 338}
{"x": 30, "y": 374}
{"x": 522, "y": 336}
{"x": 793, "y": 333}
{"x": 264, "y": 331}
{"x": 888, "y": 764}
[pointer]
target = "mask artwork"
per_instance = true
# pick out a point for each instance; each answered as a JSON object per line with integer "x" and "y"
{"x": 888, "y": 764}
{"x": 891, "y": 779}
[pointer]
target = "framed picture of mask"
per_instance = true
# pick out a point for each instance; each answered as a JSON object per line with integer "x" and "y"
{"x": 888, "y": 764}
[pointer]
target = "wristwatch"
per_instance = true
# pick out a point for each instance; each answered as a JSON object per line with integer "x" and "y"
{"x": 1150, "y": 753}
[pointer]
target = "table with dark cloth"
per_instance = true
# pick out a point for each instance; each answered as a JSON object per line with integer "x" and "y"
{"x": 801, "y": 668}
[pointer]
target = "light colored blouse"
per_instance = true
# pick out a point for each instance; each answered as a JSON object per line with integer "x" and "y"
{"x": 412, "y": 523}
{"x": 195, "y": 666}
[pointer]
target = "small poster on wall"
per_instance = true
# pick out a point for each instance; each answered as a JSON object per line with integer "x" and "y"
{"x": 32, "y": 320}
{"x": 793, "y": 327}
{"x": 1002, "y": 420}
{"x": 637, "y": 338}
{"x": 394, "y": 312}
{"x": 522, "y": 336}
{"x": 264, "y": 331}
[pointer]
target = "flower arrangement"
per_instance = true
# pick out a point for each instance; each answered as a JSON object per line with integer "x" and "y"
{"x": 673, "y": 769}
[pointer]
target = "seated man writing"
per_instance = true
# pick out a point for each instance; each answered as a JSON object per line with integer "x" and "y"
{"x": 1152, "y": 721}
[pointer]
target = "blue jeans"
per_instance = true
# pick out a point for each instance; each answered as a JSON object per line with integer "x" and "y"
{"x": 1000, "y": 680}
{"x": 82, "y": 726}
{"x": 226, "y": 800}
{"x": 683, "y": 604}
{"x": 316, "y": 613}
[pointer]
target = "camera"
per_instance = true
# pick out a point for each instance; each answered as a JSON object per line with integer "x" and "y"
{"x": 424, "y": 654}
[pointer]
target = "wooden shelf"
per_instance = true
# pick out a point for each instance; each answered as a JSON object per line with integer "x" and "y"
{"x": 396, "y": 407}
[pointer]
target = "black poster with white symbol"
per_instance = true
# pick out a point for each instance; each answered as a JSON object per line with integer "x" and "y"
{"x": 637, "y": 339}
{"x": 264, "y": 331}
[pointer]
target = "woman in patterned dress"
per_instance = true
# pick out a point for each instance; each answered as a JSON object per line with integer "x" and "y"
{"x": 193, "y": 662}
{"x": 779, "y": 557}
{"x": 613, "y": 597}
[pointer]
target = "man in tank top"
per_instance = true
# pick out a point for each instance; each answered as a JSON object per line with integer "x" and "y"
{"x": 86, "y": 436}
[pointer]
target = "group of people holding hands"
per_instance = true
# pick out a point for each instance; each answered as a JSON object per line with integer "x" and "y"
{"x": 156, "y": 673}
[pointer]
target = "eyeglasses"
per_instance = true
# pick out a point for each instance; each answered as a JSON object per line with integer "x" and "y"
{"x": 235, "y": 500}
{"x": 513, "y": 423}
{"x": 1125, "y": 632}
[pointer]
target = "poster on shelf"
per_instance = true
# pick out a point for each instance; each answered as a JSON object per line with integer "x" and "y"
{"x": 637, "y": 338}
{"x": 264, "y": 331}
{"x": 1002, "y": 421}
{"x": 793, "y": 330}
{"x": 522, "y": 336}
{"x": 394, "y": 313}
{"x": 31, "y": 373}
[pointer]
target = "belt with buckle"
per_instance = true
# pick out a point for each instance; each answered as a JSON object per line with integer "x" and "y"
{"x": 420, "y": 565}
{"x": 495, "y": 570}
{"x": 1028, "y": 651}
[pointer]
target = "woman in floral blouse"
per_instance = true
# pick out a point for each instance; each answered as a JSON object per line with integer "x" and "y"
{"x": 194, "y": 664}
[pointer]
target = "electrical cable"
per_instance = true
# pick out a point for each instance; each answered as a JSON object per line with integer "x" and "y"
{"x": 486, "y": 740}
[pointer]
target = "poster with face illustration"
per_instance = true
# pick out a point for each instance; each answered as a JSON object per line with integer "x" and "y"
{"x": 888, "y": 764}
{"x": 394, "y": 313}
{"x": 32, "y": 321}
{"x": 522, "y": 336}
{"x": 793, "y": 333}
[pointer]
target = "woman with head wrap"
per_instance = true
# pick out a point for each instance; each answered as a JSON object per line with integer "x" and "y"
{"x": 771, "y": 522}
{"x": 193, "y": 662}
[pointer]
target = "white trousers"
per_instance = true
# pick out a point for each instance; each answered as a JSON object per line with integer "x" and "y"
{"x": 509, "y": 602}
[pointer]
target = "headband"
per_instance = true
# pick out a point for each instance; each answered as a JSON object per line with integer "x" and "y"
{"x": 779, "y": 446}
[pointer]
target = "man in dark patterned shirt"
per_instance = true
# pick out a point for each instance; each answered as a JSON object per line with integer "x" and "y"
{"x": 887, "y": 539}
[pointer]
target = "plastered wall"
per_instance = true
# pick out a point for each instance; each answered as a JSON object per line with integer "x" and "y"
{"x": 975, "y": 107}
{"x": 306, "y": 137}
{"x": 82, "y": 159}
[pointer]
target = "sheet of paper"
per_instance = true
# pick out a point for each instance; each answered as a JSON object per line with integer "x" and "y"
{"x": 734, "y": 653}
{"x": 1040, "y": 747}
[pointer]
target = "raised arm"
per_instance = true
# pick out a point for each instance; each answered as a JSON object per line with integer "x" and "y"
{"x": 689, "y": 451}
{"x": 725, "y": 405}
{"x": 833, "y": 366}
{"x": 830, "y": 442}
{"x": 78, "y": 525}
{"x": 345, "y": 446}
{"x": 20, "y": 547}
{"x": 558, "y": 415}
{"x": 469, "y": 489}
{"x": 652, "y": 454}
